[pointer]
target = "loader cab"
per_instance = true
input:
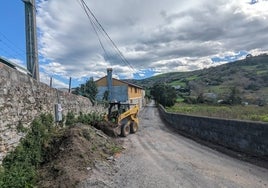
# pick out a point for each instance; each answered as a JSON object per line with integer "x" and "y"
{"x": 123, "y": 119}
{"x": 115, "y": 109}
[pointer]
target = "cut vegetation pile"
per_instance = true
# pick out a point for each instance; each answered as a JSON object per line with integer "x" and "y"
{"x": 52, "y": 156}
{"x": 72, "y": 156}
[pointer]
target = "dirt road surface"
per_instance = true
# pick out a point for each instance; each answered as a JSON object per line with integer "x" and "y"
{"x": 157, "y": 157}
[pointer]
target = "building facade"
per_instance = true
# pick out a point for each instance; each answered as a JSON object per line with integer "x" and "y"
{"x": 118, "y": 90}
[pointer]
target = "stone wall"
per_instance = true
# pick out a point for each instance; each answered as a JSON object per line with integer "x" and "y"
{"x": 22, "y": 99}
{"x": 244, "y": 136}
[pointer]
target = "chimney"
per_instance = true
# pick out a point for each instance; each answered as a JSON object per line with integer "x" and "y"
{"x": 110, "y": 83}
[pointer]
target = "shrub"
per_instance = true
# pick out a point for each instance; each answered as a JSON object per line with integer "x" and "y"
{"x": 252, "y": 87}
{"x": 19, "y": 166}
{"x": 164, "y": 94}
{"x": 91, "y": 118}
{"x": 70, "y": 119}
{"x": 21, "y": 128}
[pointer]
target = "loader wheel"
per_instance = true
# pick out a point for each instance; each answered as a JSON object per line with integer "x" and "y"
{"x": 134, "y": 127}
{"x": 125, "y": 130}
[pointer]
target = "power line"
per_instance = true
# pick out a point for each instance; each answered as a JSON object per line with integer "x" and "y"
{"x": 100, "y": 27}
{"x": 6, "y": 52}
{"x": 94, "y": 28}
{"x": 14, "y": 45}
{"x": 11, "y": 46}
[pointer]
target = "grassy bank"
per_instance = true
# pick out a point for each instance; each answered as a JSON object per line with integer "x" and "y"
{"x": 250, "y": 112}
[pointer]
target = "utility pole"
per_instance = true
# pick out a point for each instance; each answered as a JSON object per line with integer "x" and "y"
{"x": 31, "y": 38}
{"x": 70, "y": 84}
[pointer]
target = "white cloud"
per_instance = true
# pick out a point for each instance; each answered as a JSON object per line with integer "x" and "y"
{"x": 17, "y": 61}
{"x": 56, "y": 83}
{"x": 163, "y": 35}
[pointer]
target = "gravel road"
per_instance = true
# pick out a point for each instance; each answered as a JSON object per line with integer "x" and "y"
{"x": 157, "y": 157}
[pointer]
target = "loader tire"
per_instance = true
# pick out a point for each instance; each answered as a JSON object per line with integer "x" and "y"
{"x": 134, "y": 127}
{"x": 125, "y": 130}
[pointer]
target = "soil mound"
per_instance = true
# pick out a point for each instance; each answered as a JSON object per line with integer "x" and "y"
{"x": 73, "y": 154}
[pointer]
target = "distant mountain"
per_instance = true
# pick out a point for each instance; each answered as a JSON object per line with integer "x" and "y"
{"x": 248, "y": 77}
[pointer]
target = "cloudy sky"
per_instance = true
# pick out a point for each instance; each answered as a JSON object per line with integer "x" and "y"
{"x": 155, "y": 36}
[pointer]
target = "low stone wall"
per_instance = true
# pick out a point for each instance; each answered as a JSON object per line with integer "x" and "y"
{"x": 22, "y": 99}
{"x": 244, "y": 136}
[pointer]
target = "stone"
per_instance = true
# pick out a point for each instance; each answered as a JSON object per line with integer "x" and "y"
{"x": 110, "y": 158}
{"x": 20, "y": 100}
{"x": 2, "y": 148}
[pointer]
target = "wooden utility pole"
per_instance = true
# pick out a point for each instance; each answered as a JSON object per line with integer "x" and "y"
{"x": 31, "y": 38}
{"x": 70, "y": 84}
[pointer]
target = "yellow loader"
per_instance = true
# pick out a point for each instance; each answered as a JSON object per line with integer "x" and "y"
{"x": 124, "y": 118}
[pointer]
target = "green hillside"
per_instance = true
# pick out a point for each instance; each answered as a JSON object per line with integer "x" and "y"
{"x": 247, "y": 79}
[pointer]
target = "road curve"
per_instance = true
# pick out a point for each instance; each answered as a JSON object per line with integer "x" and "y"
{"x": 157, "y": 157}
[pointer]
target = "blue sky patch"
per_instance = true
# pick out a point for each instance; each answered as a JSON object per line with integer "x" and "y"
{"x": 230, "y": 58}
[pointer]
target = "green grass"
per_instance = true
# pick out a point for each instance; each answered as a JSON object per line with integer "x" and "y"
{"x": 262, "y": 72}
{"x": 249, "y": 67}
{"x": 253, "y": 113}
{"x": 179, "y": 99}
{"x": 191, "y": 78}
{"x": 178, "y": 83}
{"x": 220, "y": 89}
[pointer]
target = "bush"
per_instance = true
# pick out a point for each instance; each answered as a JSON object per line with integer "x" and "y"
{"x": 252, "y": 87}
{"x": 19, "y": 166}
{"x": 70, "y": 119}
{"x": 90, "y": 119}
{"x": 164, "y": 94}
{"x": 263, "y": 118}
{"x": 234, "y": 96}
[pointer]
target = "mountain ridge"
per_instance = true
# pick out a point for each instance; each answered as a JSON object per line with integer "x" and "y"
{"x": 249, "y": 77}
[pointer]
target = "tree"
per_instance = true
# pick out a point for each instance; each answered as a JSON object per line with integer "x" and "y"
{"x": 105, "y": 95}
{"x": 234, "y": 97}
{"x": 89, "y": 90}
{"x": 164, "y": 94}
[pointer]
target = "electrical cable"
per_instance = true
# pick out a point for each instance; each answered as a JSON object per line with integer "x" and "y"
{"x": 19, "y": 49}
{"x": 15, "y": 52}
{"x": 120, "y": 53}
{"x": 94, "y": 28}
{"x": 123, "y": 59}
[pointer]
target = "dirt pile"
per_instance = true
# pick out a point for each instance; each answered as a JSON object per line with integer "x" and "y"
{"x": 74, "y": 155}
{"x": 109, "y": 128}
